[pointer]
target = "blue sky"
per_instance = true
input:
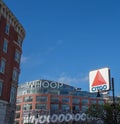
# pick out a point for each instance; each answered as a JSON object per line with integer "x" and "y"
{"x": 66, "y": 39}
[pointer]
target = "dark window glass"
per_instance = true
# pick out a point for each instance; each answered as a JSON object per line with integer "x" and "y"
{"x": 27, "y": 106}
{"x": 19, "y": 100}
{"x": 41, "y": 106}
{"x": 17, "y": 115}
{"x": 28, "y": 99}
{"x": 75, "y": 101}
{"x": 18, "y": 107}
{"x": 65, "y": 99}
{"x": 85, "y": 101}
{"x": 54, "y": 99}
{"x": 41, "y": 98}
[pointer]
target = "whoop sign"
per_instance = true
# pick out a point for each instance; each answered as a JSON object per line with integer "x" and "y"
{"x": 44, "y": 84}
{"x": 58, "y": 118}
{"x": 99, "y": 80}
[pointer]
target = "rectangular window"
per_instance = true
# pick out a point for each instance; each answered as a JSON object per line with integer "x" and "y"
{"x": 41, "y": 106}
{"x": 5, "y": 45}
{"x": 17, "y": 56}
{"x": 27, "y": 107}
{"x": 28, "y": 99}
{"x": 75, "y": 100}
{"x": 18, "y": 108}
{"x": 19, "y": 41}
{"x": 19, "y": 100}
{"x": 77, "y": 108}
{"x": 2, "y": 66}
{"x": 1, "y": 83}
{"x": 54, "y": 99}
{"x": 65, "y": 99}
{"x": 16, "y": 121}
{"x": 54, "y": 107}
{"x": 84, "y": 108}
{"x": 13, "y": 95}
{"x": 85, "y": 101}
{"x": 7, "y": 28}
{"x": 41, "y": 98}
{"x": 65, "y": 107}
{"x": 15, "y": 74}
{"x": 17, "y": 115}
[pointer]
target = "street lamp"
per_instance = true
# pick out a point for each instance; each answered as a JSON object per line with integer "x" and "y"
{"x": 112, "y": 89}
{"x": 113, "y": 100}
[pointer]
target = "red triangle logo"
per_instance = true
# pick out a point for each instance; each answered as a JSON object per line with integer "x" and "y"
{"x": 99, "y": 80}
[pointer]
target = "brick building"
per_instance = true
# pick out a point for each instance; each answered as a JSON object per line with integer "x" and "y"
{"x": 44, "y": 97}
{"x": 11, "y": 37}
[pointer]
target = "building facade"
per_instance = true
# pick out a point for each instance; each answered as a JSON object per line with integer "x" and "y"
{"x": 44, "y": 97}
{"x": 12, "y": 34}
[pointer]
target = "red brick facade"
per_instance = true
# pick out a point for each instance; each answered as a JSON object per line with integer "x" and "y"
{"x": 9, "y": 57}
{"x": 11, "y": 37}
{"x": 48, "y": 102}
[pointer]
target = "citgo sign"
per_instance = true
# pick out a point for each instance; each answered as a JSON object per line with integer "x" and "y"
{"x": 99, "y": 80}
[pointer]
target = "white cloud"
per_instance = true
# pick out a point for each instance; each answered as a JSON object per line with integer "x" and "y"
{"x": 73, "y": 80}
{"x": 24, "y": 59}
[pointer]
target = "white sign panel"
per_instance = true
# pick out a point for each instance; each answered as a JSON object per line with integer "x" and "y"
{"x": 99, "y": 80}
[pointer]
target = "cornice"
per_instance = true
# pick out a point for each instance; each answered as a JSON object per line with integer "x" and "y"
{"x": 11, "y": 19}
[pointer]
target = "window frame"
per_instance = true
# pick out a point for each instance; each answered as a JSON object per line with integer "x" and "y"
{"x": 17, "y": 56}
{"x": 15, "y": 74}
{"x": 19, "y": 41}
{"x": 1, "y": 87}
{"x": 13, "y": 94}
{"x": 7, "y": 28}
{"x": 2, "y": 65}
{"x": 5, "y": 46}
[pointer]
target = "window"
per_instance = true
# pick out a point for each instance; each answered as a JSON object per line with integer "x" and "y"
{"x": 54, "y": 99}
{"x": 27, "y": 107}
{"x": 2, "y": 65}
{"x": 19, "y": 100}
{"x": 85, "y": 101}
{"x": 24, "y": 92}
{"x": 28, "y": 99}
{"x": 54, "y": 107}
{"x": 17, "y": 122}
{"x": 11, "y": 118}
{"x": 65, "y": 107}
{"x": 15, "y": 74}
{"x": 17, "y": 56}
{"x": 41, "y": 98}
{"x": 77, "y": 108}
{"x": 18, "y": 108}
{"x": 75, "y": 101}
{"x": 19, "y": 41}
{"x": 7, "y": 28}
{"x": 1, "y": 83}
{"x": 41, "y": 106}
{"x": 13, "y": 95}
{"x": 17, "y": 115}
{"x": 65, "y": 99}
{"x": 5, "y": 45}
{"x": 84, "y": 108}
